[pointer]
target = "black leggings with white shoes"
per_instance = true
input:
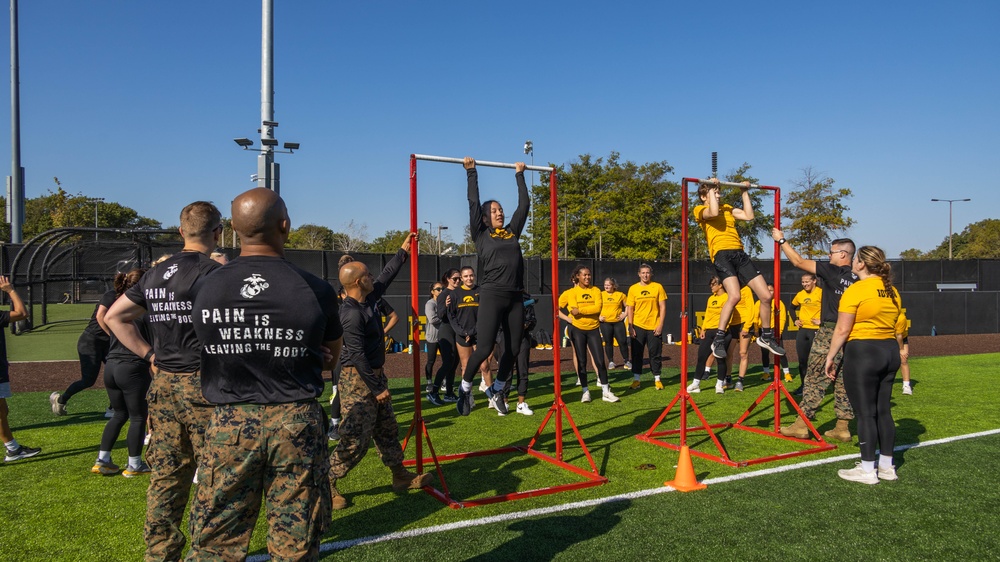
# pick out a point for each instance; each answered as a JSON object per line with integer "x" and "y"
{"x": 498, "y": 310}
{"x": 869, "y": 370}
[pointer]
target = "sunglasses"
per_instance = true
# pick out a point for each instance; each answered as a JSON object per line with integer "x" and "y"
{"x": 436, "y": 289}
{"x": 456, "y": 278}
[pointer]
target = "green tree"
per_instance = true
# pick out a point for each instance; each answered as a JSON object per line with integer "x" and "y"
{"x": 615, "y": 209}
{"x": 912, "y": 254}
{"x": 389, "y": 242}
{"x": 352, "y": 239}
{"x": 979, "y": 240}
{"x": 816, "y": 210}
{"x": 311, "y": 237}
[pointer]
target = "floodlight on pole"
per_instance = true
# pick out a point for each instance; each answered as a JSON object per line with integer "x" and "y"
{"x": 440, "y": 228}
{"x": 950, "y": 202}
{"x": 529, "y": 148}
{"x": 96, "y": 201}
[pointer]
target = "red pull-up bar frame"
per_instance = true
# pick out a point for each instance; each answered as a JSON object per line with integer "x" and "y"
{"x": 558, "y": 408}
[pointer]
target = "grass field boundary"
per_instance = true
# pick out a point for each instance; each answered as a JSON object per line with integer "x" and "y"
{"x": 341, "y": 545}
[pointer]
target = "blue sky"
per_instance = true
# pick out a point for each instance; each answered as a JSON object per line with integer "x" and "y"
{"x": 138, "y": 102}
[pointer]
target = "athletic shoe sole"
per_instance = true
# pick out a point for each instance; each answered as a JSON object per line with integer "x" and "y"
{"x": 771, "y": 346}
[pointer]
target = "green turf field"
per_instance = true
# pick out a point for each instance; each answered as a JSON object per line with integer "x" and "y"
{"x": 942, "y": 507}
{"x": 54, "y": 341}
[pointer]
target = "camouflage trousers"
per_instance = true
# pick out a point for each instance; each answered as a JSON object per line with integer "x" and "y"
{"x": 816, "y": 381}
{"x": 178, "y": 414}
{"x": 364, "y": 420}
{"x": 272, "y": 452}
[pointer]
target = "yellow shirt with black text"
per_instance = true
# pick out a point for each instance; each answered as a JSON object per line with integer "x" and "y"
{"x": 875, "y": 312}
{"x": 588, "y": 304}
{"x": 612, "y": 305}
{"x": 810, "y": 305}
{"x": 645, "y": 302}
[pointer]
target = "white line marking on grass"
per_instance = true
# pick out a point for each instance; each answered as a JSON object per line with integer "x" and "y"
{"x": 341, "y": 545}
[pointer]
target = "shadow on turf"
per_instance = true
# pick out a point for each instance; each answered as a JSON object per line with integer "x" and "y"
{"x": 63, "y": 421}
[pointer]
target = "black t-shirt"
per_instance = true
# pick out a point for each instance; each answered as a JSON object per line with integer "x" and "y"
{"x": 119, "y": 353}
{"x": 93, "y": 328}
{"x": 4, "y": 365}
{"x": 166, "y": 292}
{"x": 833, "y": 279}
{"x": 464, "y": 310}
{"x": 501, "y": 264}
{"x": 261, "y": 322}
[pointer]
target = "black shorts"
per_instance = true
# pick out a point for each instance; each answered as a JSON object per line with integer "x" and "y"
{"x": 461, "y": 341}
{"x": 730, "y": 263}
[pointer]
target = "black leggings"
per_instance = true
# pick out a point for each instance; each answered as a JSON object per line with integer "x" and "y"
{"x": 869, "y": 370}
{"x": 127, "y": 383}
{"x": 432, "y": 353}
{"x": 705, "y": 350}
{"x": 612, "y": 331}
{"x": 803, "y": 344}
{"x": 449, "y": 359}
{"x": 498, "y": 311}
{"x": 653, "y": 343}
{"x": 582, "y": 341}
{"x": 520, "y": 366}
{"x": 92, "y": 352}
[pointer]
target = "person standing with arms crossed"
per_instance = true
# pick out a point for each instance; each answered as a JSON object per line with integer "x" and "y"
{"x": 645, "y": 307}
{"x": 834, "y": 276}
{"x": 265, "y": 327}
{"x": 732, "y": 264}
{"x": 364, "y": 388}
{"x": 178, "y": 412}
{"x": 17, "y": 312}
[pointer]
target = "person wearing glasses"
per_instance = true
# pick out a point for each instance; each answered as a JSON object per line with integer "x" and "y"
{"x": 834, "y": 276}
{"x": 446, "y": 340}
{"x": 732, "y": 264}
{"x": 501, "y": 267}
{"x": 710, "y": 328}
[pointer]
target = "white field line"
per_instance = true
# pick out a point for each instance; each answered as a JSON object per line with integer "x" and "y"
{"x": 340, "y": 545}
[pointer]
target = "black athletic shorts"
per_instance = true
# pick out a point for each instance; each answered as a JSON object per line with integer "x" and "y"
{"x": 729, "y": 263}
{"x": 461, "y": 341}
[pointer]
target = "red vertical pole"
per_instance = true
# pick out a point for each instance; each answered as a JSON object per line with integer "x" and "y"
{"x": 415, "y": 326}
{"x": 776, "y": 321}
{"x": 554, "y": 233}
{"x": 684, "y": 305}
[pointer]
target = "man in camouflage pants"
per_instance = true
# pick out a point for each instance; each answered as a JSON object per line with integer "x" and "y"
{"x": 178, "y": 413}
{"x": 833, "y": 276}
{"x": 364, "y": 391}
{"x": 263, "y": 324}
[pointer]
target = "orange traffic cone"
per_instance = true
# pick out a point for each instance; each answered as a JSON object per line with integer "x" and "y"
{"x": 684, "y": 480}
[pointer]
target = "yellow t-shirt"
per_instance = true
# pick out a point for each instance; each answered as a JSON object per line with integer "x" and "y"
{"x": 810, "y": 305}
{"x": 781, "y": 315}
{"x": 713, "y": 309}
{"x": 613, "y": 304}
{"x": 875, "y": 313}
{"x": 743, "y": 313}
{"x": 588, "y": 303}
{"x": 720, "y": 231}
{"x": 645, "y": 302}
{"x": 902, "y": 325}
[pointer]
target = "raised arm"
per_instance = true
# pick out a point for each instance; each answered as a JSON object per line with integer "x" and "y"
{"x": 18, "y": 311}
{"x": 793, "y": 257}
{"x": 520, "y": 216}
{"x": 475, "y": 206}
{"x": 746, "y": 213}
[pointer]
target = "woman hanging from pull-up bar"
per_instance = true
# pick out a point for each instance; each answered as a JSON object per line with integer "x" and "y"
{"x": 501, "y": 275}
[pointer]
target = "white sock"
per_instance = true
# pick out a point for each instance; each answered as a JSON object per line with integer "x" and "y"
{"x": 656, "y": 378}
{"x": 134, "y": 461}
{"x": 906, "y": 383}
{"x": 466, "y": 386}
{"x": 867, "y": 466}
{"x": 604, "y": 388}
{"x": 786, "y": 371}
{"x": 334, "y": 421}
{"x": 885, "y": 462}
{"x": 696, "y": 381}
{"x": 636, "y": 377}
{"x": 12, "y": 445}
{"x": 104, "y": 456}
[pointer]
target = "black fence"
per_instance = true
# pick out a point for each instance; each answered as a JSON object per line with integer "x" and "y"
{"x": 85, "y": 274}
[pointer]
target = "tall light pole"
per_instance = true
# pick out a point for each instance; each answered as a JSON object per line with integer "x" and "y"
{"x": 96, "y": 201}
{"x": 529, "y": 148}
{"x": 430, "y": 227}
{"x": 440, "y": 228}
{"x": 950, "y": 202}
{"x": 15, "y": 181}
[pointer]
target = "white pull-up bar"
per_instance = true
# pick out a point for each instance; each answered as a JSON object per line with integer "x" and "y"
{"x": 480, "y": 163}
{"x": 728, "y": 183}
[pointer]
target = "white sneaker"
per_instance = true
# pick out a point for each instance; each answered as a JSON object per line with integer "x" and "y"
{"x": 857, "y": 474}
{"x": 611, "y": 366}
{"x": 628, "y": 365}
{"x": 145, "y": 440}
{"x": 887, "y": 473}
{"x": 719, "y": 389}
{"x": 578, "y": 381}
{"x": 57, "y": 408}
{"x": 907, "y": 389}
{"x": 483, "y": 386}
{"x": 609, "y": 396}
{"x": 694, "y": 387}
{"x": 522, "y": 408}
{"x": 586, "y": 396}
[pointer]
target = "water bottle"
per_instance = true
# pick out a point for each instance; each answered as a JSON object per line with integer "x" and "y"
{"x": 933, "y": 330}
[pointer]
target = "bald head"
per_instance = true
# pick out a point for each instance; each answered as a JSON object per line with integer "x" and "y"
{"x": 350, "y": 275}
{"x": 261, "y": 218}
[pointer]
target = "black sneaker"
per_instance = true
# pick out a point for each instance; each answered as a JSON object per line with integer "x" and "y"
{"x": 450, "y": 398}
{"x": 465, "y": 402}
{"x": 497, "y": 400}
{"x": 768, "y": 344}
{"x": 719, "y": 348}
{"x": 433, "y": 398}
{"x": 798, "y": 392}
{"x": 22, "y": 452}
